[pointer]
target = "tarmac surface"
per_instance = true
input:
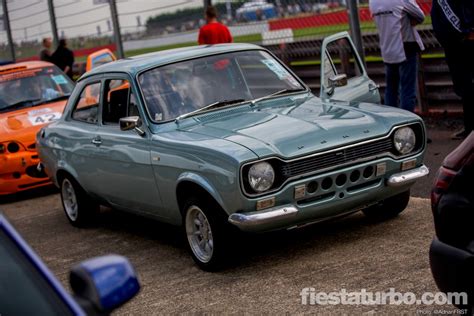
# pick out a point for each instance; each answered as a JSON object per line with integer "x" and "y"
{"x": 352, "y": 253}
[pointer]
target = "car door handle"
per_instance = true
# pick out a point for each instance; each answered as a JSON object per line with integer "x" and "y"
{"x": 373, "y": 87}
{"x": 97, "y": 141}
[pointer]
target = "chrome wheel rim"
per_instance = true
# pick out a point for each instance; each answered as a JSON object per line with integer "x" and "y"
{"x": 69, "y": 200}
{"x": 199, "y": 234}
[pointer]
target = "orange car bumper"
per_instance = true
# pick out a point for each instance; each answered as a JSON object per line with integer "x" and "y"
{"x": 18, "y": 172}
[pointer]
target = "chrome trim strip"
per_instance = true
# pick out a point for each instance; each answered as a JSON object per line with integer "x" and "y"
{"x": 405, "y": 177}
{"x": 250, "y": 221}
{"x": 387, "y": 154}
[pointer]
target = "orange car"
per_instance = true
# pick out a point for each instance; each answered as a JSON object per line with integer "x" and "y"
{"x": 100, "y": 57}
{"x": 32, "y": 94}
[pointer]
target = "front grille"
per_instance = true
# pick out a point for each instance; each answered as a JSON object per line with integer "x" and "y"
{"x": 335, "y": 158}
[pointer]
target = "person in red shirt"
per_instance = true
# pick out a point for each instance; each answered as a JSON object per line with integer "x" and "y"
{"x": 213, "y": 32}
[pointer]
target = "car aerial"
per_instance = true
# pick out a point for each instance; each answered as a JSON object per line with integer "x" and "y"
{"x": 28, "y": 287}
{"x": 452, "y": 202}
{"x": 226, "y": 138}
{"x": 32, "y": 94}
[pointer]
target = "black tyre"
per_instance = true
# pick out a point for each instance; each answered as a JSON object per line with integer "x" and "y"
{"x": 80, "y": 209}
{"x": 390, "y": 207}
{"x": 208, "y": 234}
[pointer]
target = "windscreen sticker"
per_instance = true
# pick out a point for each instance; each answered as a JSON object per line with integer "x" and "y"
{"x": 276, "y": 68}
{"x": 43, "y": 116}
{"x": 59, "y": 79}
{"x": 281, "y": 72}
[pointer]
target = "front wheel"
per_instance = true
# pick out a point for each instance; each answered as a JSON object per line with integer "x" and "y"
{"x": 207, "y": 233}
{"x": 80, "y": 209}
{"x": 390, "y": 207}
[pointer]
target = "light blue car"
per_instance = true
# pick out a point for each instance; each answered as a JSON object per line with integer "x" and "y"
{"x": 223, "y": 138}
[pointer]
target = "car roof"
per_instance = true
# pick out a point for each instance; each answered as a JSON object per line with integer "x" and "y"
{"x": 133, "y": 65}
{"x": 9, "y": 68}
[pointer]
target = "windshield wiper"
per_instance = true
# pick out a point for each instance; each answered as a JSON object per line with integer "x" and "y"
{"x": 62, "y": 97}
{"x": 279, "y": 92}
{"x": 19, "y": 104}
{"x": 217, "y": 104}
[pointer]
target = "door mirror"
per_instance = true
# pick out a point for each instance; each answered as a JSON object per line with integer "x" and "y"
{"x": 104, "y": 283}
{"x": 336, "y": 81}
{"x": 131, "y": 123}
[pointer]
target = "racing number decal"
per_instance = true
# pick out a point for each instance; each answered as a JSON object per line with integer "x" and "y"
{"x": 44, "y": 118}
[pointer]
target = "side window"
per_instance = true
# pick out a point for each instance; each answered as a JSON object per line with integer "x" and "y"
{"x": 340, "y": 58}
{"x": 87, "y": 106}
{"x": 119, "y": 101}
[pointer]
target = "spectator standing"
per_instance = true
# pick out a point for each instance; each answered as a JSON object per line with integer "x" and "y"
{"x": 45, "y": 53}
{"x": 63, "y": 57}
{"x": 453, "y": 24}
{"x": 213, "y": 32}
{"x": 400, "y": 44}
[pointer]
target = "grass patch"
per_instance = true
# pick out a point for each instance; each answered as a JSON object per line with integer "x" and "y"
{"x": 368, "y": 59}
{"x": 251, "y": 38}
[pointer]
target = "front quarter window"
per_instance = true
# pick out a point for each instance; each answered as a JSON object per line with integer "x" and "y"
{"x": 183, "y": 87}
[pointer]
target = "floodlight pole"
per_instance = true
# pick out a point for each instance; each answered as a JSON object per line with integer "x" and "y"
{"x": 52, "y": 18}
{"x": 353, "y": 11}
{"x": 6, "y": 23}
{"x": 116, "y": 25}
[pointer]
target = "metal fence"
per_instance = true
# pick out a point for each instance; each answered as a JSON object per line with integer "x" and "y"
{"x": 146, "y": 26}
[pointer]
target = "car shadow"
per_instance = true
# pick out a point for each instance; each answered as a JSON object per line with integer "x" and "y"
{"x": 28, "y": 194}
{"x": 249, "y": 250}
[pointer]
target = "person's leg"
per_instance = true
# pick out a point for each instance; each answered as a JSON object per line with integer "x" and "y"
{"x": 392, "y": 78}
{"x": 468, "y": 98}
{"x": 460, "y": 67}
{"x": 408, "y": 75}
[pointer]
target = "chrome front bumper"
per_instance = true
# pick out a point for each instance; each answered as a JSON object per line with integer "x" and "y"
{"x": 408, "y": 176}
{"x": 284, "y": 214}
{"x": 246, "y": 221}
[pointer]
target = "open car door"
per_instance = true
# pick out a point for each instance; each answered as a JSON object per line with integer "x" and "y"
{"x": 343, "y": 75}
{"x": 98, "y": 58}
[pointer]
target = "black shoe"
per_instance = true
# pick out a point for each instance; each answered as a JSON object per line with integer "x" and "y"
{"x": 461, "y": 134}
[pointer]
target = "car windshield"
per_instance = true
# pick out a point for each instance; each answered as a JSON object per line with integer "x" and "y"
{"x": 23, "y": 290}
{"x": 31, "y": 87}
{"x": 177, "y": 89}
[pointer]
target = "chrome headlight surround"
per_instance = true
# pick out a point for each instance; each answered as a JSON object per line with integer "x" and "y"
{"x": 404, "y": 140}
{"x": 261, "y": 176}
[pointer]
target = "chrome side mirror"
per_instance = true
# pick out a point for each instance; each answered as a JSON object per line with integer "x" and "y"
{"x": 336, "y": 81}
{"x": 131, "y": 123}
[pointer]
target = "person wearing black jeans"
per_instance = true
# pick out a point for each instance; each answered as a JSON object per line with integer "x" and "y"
{"x": 63, "y": 57}
{"x": 453, "y": 24}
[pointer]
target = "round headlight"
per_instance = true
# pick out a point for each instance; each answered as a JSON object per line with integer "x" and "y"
{"x": 261, "y": 176}
{"x": 404, "y": 140}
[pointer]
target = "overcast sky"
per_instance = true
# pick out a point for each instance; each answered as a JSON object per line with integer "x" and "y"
{"x": 30, "y": 18}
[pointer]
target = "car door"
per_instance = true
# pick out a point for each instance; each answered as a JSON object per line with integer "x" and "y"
{"x": 78, "y": 135}
{"x": 343, "y": 74}
{"x": 123, "y": 163}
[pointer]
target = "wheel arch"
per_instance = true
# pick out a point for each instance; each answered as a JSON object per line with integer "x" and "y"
{"x": 199, "y": 186}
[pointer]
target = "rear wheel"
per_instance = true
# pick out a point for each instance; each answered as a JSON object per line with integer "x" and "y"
{"x": 390, "y": 207}
{"x": 207, "y": 233}
{"x": 80, "y": 209}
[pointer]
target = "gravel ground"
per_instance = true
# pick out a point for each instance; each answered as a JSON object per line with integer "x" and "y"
{"x": 353, "y": 253}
